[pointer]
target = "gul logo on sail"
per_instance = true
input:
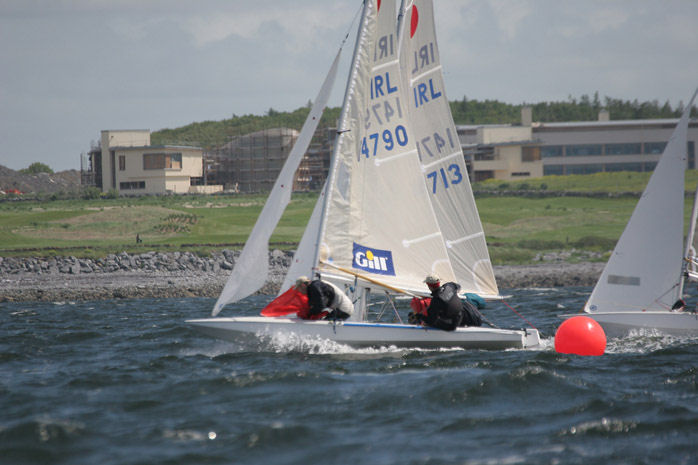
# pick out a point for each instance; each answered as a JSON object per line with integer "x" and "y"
{"x": 373, "y": 260}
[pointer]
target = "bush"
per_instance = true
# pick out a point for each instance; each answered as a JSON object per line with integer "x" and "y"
{"x": 36, "y": 168}
{"x": 91, "y": 193}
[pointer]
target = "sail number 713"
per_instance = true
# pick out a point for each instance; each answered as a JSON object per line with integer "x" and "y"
{"x": 387, "y": 137}
{"x": 446, "y": 177}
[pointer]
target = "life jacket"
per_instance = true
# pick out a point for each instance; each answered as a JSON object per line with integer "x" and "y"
{"x": 445, "y": 310}
{"x": 320, "y": 296}
{"x": 419, "y": 306}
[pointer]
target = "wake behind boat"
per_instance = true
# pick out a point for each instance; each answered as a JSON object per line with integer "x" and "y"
{"x": 642, "y": 285}
{"x": 397, "y": 204}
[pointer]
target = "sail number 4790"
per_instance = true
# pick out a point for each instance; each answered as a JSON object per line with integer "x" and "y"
{"x": 388, "y": 139}
{"x": 445, "y": 177}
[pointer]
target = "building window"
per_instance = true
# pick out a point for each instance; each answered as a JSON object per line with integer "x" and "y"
{"x": 551, "y": 151}
{"x": 529, "y": 154}
{"x": 583, "y": 169}
{"x": 581, "y": 150}
{"x": 122, "y": 162}
{"x": 623, "y": 149}
{"x": 160, "y": 161}
{"x": 521, "y": 174}
{"x": 124, "y": 186}
{"x": 654, "y": 147}
{"x": 552, "y": 169}
{"x": 623, "y": 166}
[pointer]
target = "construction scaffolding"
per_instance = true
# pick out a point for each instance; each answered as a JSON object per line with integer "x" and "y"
{"x": 251, "y": 162}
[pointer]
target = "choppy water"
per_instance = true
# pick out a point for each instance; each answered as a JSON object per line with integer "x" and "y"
{"x": 127, "y": 382}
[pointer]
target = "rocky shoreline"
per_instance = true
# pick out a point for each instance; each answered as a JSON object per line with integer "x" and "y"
{"x": 184, "y": 274}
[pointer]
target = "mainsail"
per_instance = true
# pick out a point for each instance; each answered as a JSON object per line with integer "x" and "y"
{"x": 440, "y": 153}
{"x": 644, "y": 270}
{"x": 378, "y": 219}
{"x": 252, "y": 266}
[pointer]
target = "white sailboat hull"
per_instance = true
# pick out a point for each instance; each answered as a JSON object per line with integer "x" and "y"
{"x": 364, "y": 334}
{"x": 618, "y": 324}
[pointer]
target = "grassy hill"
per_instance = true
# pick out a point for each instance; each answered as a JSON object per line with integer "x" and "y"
{"x": 518, "y": 228}
{"x": 209, "y": 134}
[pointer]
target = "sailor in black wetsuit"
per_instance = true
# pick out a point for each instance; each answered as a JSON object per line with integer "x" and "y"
{"x": 324, "y": 300}
{"x": 446, "y": 311}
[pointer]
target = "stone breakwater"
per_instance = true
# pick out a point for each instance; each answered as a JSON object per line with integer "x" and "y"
{"x": 184, "y": 274}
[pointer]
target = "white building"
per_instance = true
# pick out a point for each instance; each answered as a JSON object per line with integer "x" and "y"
{"x": 126, "y": 162}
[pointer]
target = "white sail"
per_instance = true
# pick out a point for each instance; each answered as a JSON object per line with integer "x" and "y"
{"x": 644, "y": 270}
{"x": 378, "y": 220}
{"x": 303, "y": 262}
{"x": 440, "y": 152}
{"x": 692, "y": 243}
{"x": 252, "y": 266}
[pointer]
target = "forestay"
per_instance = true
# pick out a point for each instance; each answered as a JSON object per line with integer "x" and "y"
{"x": 440, "y": 153}
{"x": 644, "y": 271}
{"x": 378, "y": 219}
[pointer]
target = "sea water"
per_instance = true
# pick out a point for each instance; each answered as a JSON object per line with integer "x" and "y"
{"x": 128, "y": 382}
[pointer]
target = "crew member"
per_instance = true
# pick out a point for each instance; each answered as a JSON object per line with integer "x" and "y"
{"x": 444, "y": 310}
{"x": 324, "y": 300}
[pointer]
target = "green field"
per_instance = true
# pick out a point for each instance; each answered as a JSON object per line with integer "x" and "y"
{"x": 518, "y": 228}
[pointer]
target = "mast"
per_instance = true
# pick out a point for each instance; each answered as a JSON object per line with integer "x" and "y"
{"x": 360, "y": 38}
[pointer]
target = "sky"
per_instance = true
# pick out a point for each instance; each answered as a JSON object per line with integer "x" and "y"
{"x": 72, "y": 68}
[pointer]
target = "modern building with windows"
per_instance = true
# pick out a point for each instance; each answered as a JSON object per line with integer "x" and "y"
{"x": 596, "y": 146}
{"x": 125, "y": 161}
{"x": 533, "y": 149}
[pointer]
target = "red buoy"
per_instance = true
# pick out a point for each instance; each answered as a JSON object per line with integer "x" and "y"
{"x": 580, "y": 335}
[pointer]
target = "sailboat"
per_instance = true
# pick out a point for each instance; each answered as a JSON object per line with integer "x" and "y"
{"x": 642, "y": 283}
{"x": 397, "y": 204}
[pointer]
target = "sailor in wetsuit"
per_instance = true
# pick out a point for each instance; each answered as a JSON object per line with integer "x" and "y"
{"x": 445, "y": 310}
{"x": 324, "y": 300}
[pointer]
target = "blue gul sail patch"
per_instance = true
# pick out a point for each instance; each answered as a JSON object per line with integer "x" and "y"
{"x": 373, "y": 260}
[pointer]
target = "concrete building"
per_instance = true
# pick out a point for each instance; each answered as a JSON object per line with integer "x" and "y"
{"x": 595, "y": 146}
{"x": 125, "y": 161}
{"x": 535, "y": 149}
{"x": 500, "y": 151}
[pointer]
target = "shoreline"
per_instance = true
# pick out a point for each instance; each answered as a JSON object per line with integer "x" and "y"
{"x": 59, "y": 286}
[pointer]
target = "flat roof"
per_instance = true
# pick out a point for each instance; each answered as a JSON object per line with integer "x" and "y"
{"x": 150, "y": 147}
{"x": 584, "y": 124}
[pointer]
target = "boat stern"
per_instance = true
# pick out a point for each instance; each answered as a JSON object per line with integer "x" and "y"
{"x": 531, "y": 338}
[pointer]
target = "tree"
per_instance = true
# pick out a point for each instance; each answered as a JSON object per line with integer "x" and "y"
{"x": 36, "y": 168}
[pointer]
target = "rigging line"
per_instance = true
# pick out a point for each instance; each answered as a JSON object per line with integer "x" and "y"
{"x": 351, "y": 26}
{"x": 662, "y": 304}
{"x": 520, "y": 316}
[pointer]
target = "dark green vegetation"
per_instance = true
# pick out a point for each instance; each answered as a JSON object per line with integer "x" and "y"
{"x": 518, "y": 227}
{"x": 209, "y": 134}
{"x": 36, "y": 168}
